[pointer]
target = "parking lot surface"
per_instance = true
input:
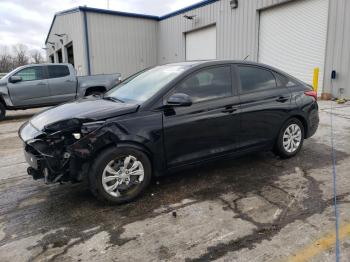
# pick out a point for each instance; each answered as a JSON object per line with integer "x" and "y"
{"x": 254, "y": 208}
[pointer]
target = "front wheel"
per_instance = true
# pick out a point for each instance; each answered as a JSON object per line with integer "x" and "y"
{"x": 290, "y": 138}
{"x": 119, "y": 175}
{"x": 2, "y": 111}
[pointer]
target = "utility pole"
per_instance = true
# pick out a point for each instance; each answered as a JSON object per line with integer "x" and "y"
{"x": 107, "y": 4}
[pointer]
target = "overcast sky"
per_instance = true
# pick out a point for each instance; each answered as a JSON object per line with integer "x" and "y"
{"x": 28, "y": 21}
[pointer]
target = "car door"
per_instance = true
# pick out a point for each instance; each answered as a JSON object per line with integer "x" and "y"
{"x": 32, "y": 90}
{"x": 208, "y": 127}
{"x": 265, "y": 103}
{"x": 62, "y": 83}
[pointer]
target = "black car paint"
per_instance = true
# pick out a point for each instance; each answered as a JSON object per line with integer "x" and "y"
{"x": 179, "y": 136}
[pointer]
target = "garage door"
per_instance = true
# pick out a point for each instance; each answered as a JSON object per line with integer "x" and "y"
{"x": 292, "y": 37}
{"x": 201, "y": 44}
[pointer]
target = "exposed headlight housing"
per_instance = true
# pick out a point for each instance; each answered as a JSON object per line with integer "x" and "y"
{"x": 64, "y": 125}
{"x": 89, "y": 127}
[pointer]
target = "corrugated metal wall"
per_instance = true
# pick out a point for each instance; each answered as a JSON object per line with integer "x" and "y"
{"x": 338, "y": 48}
{"x": 72, "y": 25}
{"x": 120, "y": 44}
{"x": 115, "y": 44}
{"x": 237, "y": 30}
{"x": 238, "y": 35}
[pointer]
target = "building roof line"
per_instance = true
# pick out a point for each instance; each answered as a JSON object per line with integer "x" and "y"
{"x": 127, "y": 14}
{"x": 188, "y": 8}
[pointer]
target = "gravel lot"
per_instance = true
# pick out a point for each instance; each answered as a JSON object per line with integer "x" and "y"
{"x": 255, "y": 208}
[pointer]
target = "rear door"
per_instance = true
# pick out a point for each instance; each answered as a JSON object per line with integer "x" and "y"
{"x": 208, "y": 127}
{"x": 32, "y": 90}
{"x": 265, "y": 105}
{"x": 62, "y": 83}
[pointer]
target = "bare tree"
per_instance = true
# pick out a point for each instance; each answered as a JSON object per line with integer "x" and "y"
{"x": 6, "y": 61}
{"x": 36, "y": 57}
{"x": 20, "y": 52}
{"x": 18, "y": 56}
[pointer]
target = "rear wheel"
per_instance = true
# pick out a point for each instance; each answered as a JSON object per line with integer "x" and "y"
{"x": 120, "y": 175}
{"x": 95, "y": 92}
{"x": 2, "y": 111}
{"x": 290, "y": 138}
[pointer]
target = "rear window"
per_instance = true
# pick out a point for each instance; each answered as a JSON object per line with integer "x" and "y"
{"x": 255, "y": 79}
{"x": 58, "y": 71}
{"x": 284, "y": 81}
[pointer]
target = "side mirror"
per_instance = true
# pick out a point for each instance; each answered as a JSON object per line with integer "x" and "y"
{"x": 179, "y": 99}
{"x": 15, "y": 79}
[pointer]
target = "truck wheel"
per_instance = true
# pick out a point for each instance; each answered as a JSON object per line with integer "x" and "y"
{"x": 94, "y": 93}
{"x": 2, "y": 111}
{"x": 119, "y": 175}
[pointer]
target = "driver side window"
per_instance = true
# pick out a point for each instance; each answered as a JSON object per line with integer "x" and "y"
{"x": 207, "y": 84}
{"x": 31, "y": 73}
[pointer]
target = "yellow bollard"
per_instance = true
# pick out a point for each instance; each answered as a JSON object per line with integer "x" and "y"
{"x": 315, "y": 80}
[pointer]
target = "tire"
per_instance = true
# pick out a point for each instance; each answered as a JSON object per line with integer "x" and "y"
{"x": 2, "y": 111}
{"x": 290, "y": 139}
{"x": 115, "y": 158}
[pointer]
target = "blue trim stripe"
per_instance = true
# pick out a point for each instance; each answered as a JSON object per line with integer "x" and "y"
{"x": 189, "y": 8}
{"x": 87, "y": 47}
{"x": 110, "y": 12}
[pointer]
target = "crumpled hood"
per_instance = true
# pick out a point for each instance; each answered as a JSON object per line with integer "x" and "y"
{"x": 91, "y": 108}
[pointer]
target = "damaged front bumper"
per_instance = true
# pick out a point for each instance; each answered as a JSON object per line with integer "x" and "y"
{"x": 53, "y": 156}
{"x": 46, "y": 166}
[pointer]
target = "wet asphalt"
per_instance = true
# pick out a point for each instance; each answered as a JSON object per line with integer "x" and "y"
{"x": 254, "y": 208}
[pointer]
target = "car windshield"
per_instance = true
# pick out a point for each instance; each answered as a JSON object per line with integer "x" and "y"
{"x": 142, "y": 86}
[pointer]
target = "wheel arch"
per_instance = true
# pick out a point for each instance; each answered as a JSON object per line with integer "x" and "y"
{"x": 95, "y": 89}
{"x": 303, "y": 120}
{"x": 130, "y": 144}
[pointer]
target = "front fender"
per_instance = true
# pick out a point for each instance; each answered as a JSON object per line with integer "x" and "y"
{"x": 115, "y": 134}
{"x": 5, "y": 96}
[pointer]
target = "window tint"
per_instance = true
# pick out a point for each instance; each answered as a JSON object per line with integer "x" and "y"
{"x": 255, "y": 79}
{"x": 284, "y": 80}
{"x": 31, "y": 73}
{"x": 207, "y": 84}
{"x": 58, "y": 71}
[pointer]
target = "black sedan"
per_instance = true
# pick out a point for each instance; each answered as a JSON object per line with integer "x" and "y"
{"x": 166, "y": 118}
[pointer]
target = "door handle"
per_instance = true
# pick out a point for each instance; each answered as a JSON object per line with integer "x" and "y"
{"x": 229, "y": 109}
{"x": 282, "y": 99}
{"x": 41, "y": 84}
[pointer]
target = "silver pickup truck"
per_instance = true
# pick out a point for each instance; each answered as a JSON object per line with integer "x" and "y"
{"x": 40, "y": 85}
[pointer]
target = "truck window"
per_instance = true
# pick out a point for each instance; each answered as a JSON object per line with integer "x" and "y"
{"x": 56, "y": 71}
{"x": 31, "y": 73}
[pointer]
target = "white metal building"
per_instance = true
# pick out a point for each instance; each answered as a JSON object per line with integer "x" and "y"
{"x": 293, "y": 35}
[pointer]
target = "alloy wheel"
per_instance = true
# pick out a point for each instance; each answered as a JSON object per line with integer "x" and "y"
{"x": 122, "y": 175}
{"x": 292, "y": 138}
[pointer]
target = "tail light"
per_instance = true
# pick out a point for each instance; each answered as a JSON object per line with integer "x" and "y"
{"x": 311, "y": 93}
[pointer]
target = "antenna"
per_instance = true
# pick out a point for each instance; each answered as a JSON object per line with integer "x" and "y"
{"x": 246, "y": 57}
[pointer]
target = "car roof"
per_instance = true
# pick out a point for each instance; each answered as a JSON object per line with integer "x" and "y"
{"x": 215, "y": 62}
